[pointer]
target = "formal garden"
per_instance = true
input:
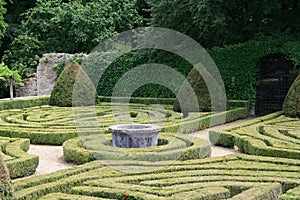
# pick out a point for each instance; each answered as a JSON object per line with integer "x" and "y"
{"x": 248, "y": 70}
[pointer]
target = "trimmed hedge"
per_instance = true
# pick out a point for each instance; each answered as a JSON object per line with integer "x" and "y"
{"x": 18, "y": 162}
{"x": 170, "y": 147}
{"x": 55, "y": 125}
{"x": 24, "y": 102}
{"x": 230, "y": 177}
{"x": 291, "y": 106}
{"x": 6, "y": 189}
{"x": 272, "y": 135}
{"x": 73, "y": 87}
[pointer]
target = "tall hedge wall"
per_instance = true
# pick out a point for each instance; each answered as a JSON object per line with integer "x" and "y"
{"x": 236, "y": 63}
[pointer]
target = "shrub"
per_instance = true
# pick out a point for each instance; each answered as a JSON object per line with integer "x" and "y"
{"x": 291, "y": 106}
{"x": 133, "y": 114}
{"x": 62, "y": 93}
{"x": 6, "y": 190}
{"x": 201, "y": 90}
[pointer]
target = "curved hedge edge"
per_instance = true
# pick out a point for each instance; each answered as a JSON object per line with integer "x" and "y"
{"x": 60, "y": 196}
{"x": 64, "y": 183}
{"x": 75, "y": 152}
{"x": 268, "y": 192}
{"x": 291, "y": 194}
{"x": 24, "y": 164}
{"x": 250, "y": 145}
{"x": 24, "y": 102}
{"x": 42, "y": 179}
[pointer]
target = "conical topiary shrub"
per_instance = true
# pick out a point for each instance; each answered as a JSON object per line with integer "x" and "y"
{"x": 291, "y": 105}
{"x": 63, "y": 94}
{"x": 6, "y": 190}
{"x": 203, "y": 96}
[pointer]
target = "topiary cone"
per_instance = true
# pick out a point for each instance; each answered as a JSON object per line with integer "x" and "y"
{"x": 63, "y": 91}
{"x": 6, "y": 189}
{"x": 291, "y": 105}
{"x": 203, "y": 95}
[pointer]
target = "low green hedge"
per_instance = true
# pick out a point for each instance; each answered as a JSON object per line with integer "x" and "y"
{"x": 60, "y": 196}
{"x": 54, "y": 125}
{"x": 272, "y": 135}
{"x": 292, "y": 194}
{"x": 174, "y": 147}
{"x": 18, "y": 162}
{"x": 231, "y": 177}
{"x": 24, "y": 102}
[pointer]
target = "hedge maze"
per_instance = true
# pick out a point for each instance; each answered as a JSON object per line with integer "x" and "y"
{"x": 273, "y": 135}
{"x": 228, "y": 177}
{"x": 175, "y": 169}
{"x": 19, "y": 163}
{"x": 170, "y": 147}
{"x": 54, "y": 125}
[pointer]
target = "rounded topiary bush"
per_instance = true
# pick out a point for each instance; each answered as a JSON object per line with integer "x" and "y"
{"x": 6, "y": 190}
{"x": 291, "y": 106}
{"x": 64, "y": 94}
{"x": 199, "y": 86}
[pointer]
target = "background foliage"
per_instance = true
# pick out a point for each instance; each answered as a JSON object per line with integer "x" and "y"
{"x": 219, "y": 22}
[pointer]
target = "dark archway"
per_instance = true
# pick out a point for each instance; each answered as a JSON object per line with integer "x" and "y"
{"x": 274, "y": 80}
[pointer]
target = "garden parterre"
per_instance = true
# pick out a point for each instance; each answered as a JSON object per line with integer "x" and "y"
{"x": 228, "y": 177}
{"x": 54, "y": 125}
{"x": 18, "y": 162}
{"x": 273, "y": 135}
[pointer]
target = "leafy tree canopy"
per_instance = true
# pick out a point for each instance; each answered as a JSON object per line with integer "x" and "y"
{"x": 219, "y": 22}
{"x": 67, "y": 26}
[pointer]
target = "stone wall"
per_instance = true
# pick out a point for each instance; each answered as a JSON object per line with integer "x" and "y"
{"x": 28, "y": 87}
{"x": 46, "y": 74}
{"x": 43, "y": 81}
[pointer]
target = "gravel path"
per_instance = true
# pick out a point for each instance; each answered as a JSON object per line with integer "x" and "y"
{"x": 219, "y": 151}
{"x": 51, "y": 157}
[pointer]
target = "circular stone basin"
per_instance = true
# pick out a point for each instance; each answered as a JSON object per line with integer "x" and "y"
{"x": 134, "y": 135}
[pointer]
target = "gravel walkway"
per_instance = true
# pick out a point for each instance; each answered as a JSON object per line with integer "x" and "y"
{"x": 219, "y": 151}
{"x": 51, "y": 158}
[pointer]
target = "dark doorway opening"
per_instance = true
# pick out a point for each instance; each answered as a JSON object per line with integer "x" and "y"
{"x": 274, "y": 80}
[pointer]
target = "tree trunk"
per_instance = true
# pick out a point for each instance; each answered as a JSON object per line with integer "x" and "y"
{"x": 11, "y": 88}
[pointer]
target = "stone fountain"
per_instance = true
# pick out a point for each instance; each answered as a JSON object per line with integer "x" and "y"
{"x": 134, "y": 135}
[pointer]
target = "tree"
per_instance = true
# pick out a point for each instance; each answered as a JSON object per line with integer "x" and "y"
{"x": 3, "y": 25}
{"x": 11, "y": 76}
{"x": 219, "y": 22}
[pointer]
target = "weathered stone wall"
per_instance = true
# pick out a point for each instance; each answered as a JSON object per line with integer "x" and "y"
{"x": 28, "y": 87}
{"x": 46, "y": 74}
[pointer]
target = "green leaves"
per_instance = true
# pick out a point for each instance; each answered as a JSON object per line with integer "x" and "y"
{"x": 6, "y": 73}
{"x": 3, "y": 25}
{"x": 218, "y": 22}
